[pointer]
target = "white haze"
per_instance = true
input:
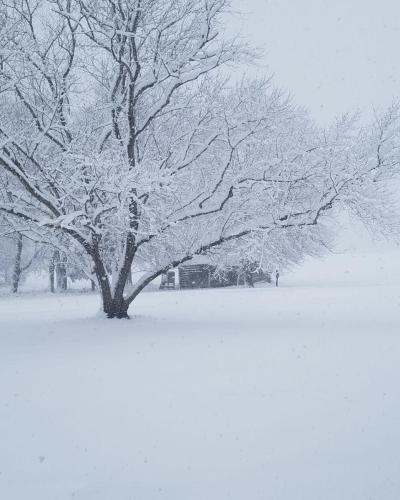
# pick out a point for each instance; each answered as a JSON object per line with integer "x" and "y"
{"x": 332, "y": 56}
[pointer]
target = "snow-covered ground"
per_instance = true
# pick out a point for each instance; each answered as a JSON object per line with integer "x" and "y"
{"x": 288, "y": 393}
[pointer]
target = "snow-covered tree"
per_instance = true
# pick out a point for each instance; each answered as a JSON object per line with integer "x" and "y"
{"x": 18, "y": 254}
{"x": 120, "y": 137}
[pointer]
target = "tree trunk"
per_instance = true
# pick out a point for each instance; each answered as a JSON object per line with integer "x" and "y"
{"x": 17, "y": 265}
{"x": 249, "y": 279}
{"x": 118, "y": 309}
{"x": 129, "y": 278}
{"x": 51, "y": 276}
{"x": 61, "y": 271}
{"x": 62, "y": 281}
{"x": 114, "y": 305}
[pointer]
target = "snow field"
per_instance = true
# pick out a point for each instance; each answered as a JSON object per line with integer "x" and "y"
{"x": 265, "y": 393}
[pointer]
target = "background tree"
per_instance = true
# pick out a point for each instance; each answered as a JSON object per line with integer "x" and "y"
{"x": 18, "y": 254}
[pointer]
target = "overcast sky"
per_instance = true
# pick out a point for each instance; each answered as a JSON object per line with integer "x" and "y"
{"x": 333, "y": 55}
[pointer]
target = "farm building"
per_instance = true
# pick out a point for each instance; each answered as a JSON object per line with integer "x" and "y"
{"x": 200, "y": 273}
